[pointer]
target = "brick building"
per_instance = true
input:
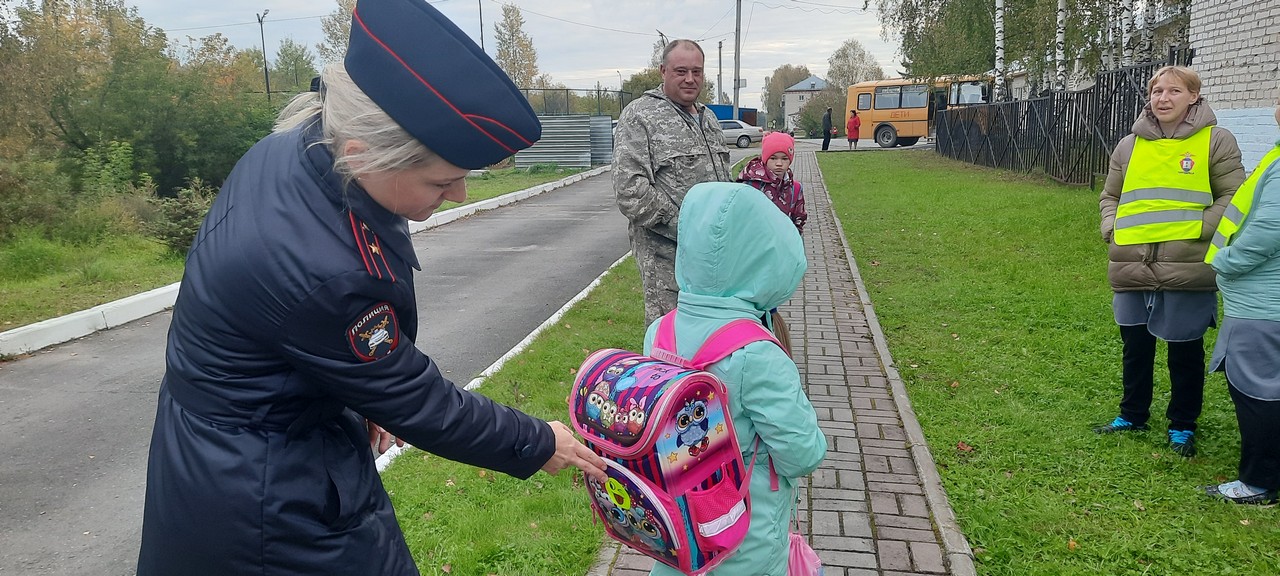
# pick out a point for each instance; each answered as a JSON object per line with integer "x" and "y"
{"x": 1237, "y": 44}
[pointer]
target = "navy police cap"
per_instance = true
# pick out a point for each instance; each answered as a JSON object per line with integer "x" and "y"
{"x": 437, "y": 84}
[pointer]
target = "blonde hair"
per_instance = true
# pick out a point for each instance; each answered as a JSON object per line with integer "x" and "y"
{"x": 1187, "y": 76}
{"x": 349, "y": 115}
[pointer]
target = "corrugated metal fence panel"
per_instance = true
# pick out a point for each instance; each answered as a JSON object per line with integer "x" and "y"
{"x": 601, "y": 140}
{"x": 566, "y": 141}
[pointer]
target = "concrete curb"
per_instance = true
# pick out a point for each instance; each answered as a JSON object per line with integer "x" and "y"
{"x": 956, "y": 546}
{"x": 33, "y": 337}
{"x": 390, "y": 455}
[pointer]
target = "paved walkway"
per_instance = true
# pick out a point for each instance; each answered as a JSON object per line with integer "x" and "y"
{"x": 875, "y": 506}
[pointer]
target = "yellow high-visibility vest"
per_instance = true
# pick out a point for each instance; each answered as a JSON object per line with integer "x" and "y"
{"x": 1166, "y": 189}
{"x": 1241, "y": 202}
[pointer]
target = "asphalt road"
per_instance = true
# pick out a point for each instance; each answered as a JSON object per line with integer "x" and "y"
{"x": 75, "y": 419}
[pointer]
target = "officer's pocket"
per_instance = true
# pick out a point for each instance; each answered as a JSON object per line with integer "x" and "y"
{"x": 349, "y": 482}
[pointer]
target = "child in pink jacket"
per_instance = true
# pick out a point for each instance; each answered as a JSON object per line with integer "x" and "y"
{"x": 771, "y": 173}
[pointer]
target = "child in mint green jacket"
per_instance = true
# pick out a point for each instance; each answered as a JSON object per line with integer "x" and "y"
{"x": 739, "y": 257}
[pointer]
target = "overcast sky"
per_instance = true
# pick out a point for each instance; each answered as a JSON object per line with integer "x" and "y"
{"x": 582, "y": 42}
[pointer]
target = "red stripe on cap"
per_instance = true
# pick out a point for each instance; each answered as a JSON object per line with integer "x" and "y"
{"x": 356, "y": 17}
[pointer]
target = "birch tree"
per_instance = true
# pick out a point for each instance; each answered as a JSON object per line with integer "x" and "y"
{"x": 1060, "y": 48}
{"x": 516, "y": 54}
{"x": 337, "y": 32}
{"x": 1001, "y": 91}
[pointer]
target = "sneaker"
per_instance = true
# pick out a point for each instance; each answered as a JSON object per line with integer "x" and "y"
{"x": 1183, "y": 442}
{"x": 1238, "y": 492}
{"x": 1119, "y": 425}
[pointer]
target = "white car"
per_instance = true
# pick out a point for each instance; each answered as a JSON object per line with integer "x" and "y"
{"x": 740, "y": 133}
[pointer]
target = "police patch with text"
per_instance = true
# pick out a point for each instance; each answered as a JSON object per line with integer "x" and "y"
{"x": 375, "y": 334}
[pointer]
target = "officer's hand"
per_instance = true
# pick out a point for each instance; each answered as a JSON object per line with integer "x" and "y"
{"x": 380, "y": 440}
{"x": 571, "y": 452}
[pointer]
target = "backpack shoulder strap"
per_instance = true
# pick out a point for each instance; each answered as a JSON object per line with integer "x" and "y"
{"x": 664, "y": 341}
{"x": 724, "y": 341}
{"x": 728, "y": 339}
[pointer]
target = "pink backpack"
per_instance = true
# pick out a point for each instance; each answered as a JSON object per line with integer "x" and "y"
{"x": 677, "y": 488}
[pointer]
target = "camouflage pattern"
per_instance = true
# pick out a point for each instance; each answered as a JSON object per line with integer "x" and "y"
{"x": 659, "y": 152}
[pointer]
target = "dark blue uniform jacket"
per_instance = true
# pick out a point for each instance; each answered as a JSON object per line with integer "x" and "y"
{"x": 295, "y": 320}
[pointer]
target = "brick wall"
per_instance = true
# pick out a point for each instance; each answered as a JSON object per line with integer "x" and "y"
{"x": 1237, "y": 45}
{"x": 1255, "y": 129}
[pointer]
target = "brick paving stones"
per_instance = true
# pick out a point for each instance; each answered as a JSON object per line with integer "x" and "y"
{"x": 875, "y": 507}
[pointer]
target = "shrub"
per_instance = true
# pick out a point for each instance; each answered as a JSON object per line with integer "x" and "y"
{"x": 178, "y": 219}
{"x": 34, "y": 194}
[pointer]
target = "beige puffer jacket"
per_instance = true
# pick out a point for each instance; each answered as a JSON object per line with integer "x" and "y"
{"x": 1174, "y": 264}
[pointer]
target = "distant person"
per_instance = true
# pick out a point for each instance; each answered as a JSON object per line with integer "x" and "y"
{"x": 1166, "y": 189}
{"x": 828, "y": 129}
{"x": 852, "y": 127}
{"x": 1247, "y": 261}
{"x": 291, "y": 356}
{"x": 770, "y": 172}
{"x": 765, "y": 390}
{"x": 665, "y": 142}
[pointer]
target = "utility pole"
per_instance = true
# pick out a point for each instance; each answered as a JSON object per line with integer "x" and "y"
{"x": 480, "y": 5}
{"x": 720, "y": 73}
{"x": 737, "y": 59}
{"x": 266, "y": 78}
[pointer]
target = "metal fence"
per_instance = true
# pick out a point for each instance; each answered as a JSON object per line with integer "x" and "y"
{"x": 566, "y": 101}
{"x": 1070, "y": 135}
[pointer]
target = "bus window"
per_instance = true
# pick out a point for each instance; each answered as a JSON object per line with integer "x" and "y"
{"x": 864, "y": 101}
{"x": 969, "y": 93}
{"x": 888, "y": 97}
{"x": 915, "y": 96}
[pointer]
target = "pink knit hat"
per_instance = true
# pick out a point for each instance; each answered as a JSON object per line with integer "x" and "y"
{"x": 775, "y": 142}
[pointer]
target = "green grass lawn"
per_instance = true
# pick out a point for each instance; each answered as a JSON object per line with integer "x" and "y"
{"x": 41, "y": 279}
{"x": 495, "y": 183}
{"x": 471, "y": 521}
{"x": 991, "y": 288}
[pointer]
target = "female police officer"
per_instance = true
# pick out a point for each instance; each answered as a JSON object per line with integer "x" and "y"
{"x": 293, "y": 330}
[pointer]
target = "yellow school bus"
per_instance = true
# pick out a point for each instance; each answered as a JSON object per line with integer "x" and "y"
{"x": 902, "y": 111}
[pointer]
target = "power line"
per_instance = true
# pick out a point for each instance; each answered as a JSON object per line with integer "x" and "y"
{"x": 241, "y": 23}
{"x": 712, "y": 27}
{"x": 580, "y": 23}
{"x": 830, "y": 9}
{"x": 255, "y": 22}
{"x": 828, "y": 5}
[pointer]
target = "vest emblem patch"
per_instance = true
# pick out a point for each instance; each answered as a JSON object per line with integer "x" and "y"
{"x": 375, "y": 334}
{"x": 1187, "y": 163}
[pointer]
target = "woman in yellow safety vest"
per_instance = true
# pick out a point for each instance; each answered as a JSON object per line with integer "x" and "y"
{"x": 1246, "y": 256}
{"x": 1167, "y": 187}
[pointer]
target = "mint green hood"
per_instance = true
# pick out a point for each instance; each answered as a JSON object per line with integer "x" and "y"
{"x": 739, "y": 256}
{"x": 736, "y": 249}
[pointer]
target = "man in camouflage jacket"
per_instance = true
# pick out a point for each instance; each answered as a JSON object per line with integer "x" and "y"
{"x": 665, "y": 142}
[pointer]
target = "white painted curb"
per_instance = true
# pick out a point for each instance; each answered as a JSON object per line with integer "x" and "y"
{"x": 33, "y": 337}
{"x": 387, "y": 457}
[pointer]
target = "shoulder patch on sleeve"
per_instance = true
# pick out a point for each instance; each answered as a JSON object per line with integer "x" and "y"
{"x": 375, "y": 333}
